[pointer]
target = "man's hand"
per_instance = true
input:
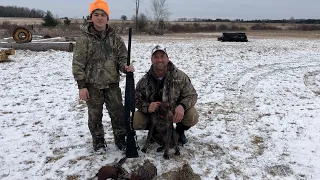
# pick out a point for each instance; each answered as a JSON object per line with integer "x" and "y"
{"x": 84, "y": 94}
{"x": 129, "y": 68}
{"x": 153, "y": 106}
{"x": 178, "y": 114}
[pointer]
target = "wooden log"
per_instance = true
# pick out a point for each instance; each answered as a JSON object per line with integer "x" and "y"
{"x": 37, "y": 46}
{"x": 4, "y": 53}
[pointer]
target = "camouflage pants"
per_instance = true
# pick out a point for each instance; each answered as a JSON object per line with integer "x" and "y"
{"x": 113, "y": 99}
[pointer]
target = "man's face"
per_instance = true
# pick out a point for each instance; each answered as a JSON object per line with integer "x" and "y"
{"x": 159, "y": 60}
{"x": 99, "y": 18}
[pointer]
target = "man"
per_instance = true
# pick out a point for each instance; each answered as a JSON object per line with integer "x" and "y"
{"x": 165, "y": 82}
{"x": 98, "y": 57}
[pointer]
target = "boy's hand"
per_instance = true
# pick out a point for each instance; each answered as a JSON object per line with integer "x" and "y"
{"x": 84, "y": 94}
{"x": 129, "y": 68}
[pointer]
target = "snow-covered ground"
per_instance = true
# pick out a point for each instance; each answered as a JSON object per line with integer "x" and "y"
{"x": 259, "y": 105}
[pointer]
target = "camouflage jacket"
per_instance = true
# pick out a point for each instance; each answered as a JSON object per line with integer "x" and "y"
{"x": 177, "y": 89}
{"x": 98, "y": 58}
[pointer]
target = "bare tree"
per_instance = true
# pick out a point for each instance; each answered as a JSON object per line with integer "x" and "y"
{"x": 143, "y": 21}
{"x": 137, "y": 2}
{"x": 291, "y": 20}
{"x": 160, "y": 11}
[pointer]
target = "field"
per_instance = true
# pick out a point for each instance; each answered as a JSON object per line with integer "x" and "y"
{"x": 73, "y": 30}
{"x": 258, "y": 103}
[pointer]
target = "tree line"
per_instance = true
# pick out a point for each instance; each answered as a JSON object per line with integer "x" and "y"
{"x": 291, "y": 20}
{"x": 15, "y": 11}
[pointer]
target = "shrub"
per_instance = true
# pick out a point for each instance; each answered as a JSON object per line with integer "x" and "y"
{"x": 176, "y": 28}
{"x": 264, "y": 27}
{"x": 6, "y": 25}
{"x": 212, "y": 27}
{"x": 142, "y": 21}
{"x": 67, "y": 21}
{"x": 49, "y": 20}
{"x": 222, "y": 27}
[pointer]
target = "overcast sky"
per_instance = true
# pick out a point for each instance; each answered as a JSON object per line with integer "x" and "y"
{"x": 230, "y": 9}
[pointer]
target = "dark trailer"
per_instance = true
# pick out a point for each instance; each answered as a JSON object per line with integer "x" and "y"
{"x": 233, "y": 37}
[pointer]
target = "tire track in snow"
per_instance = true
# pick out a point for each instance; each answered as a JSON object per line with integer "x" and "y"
{"x": 241, "y": 100}
{"x": 245, "y": 100}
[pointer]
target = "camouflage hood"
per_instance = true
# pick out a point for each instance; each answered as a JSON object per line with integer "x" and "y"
{"x": 177, "y": 89}
{"x": 98, "y": 57}
{"x": 85, "y": 28}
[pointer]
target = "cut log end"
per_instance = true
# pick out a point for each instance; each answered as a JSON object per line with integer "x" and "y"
{"x": 9, "y": 51}
{"x": 4, "y": 53}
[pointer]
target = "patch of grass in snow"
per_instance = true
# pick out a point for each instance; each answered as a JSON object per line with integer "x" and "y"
{"x": 75, "y": 161}
{"x": 279, "y": 170}
{"x": 59, "y": 151}
{"x": 235, "y": 147}
{"x": 301, "y": 177}
{"x": 53, "y": 159}
{"x": 73, "y": 177}
{"x": 23, "y": 124}
{"x": 226, "y": 173}
{"x": 7, "y": 112}
{"x": 216, "y": 149}
{"x": 257, "y": 140}
{"x": 26, "y": 135}
{"x": 29, "y": 162}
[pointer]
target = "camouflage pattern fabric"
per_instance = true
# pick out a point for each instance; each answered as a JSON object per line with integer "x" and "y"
{"x": 177, "y": 89}
{"x": 113, "y": 100}
{"x": 98, "y": 57}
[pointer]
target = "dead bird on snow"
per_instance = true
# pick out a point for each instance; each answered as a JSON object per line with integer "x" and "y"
{"x": 147, "y": 171}
{"x": 113, "y": 171}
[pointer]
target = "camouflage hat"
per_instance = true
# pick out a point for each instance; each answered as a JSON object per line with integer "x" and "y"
{"x": 159, "y": 48}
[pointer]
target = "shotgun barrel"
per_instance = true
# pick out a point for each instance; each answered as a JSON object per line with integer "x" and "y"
{"x": 129, "y": 108}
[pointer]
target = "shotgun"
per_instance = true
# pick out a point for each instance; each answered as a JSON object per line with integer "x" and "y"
{"x": 129, "y": 108}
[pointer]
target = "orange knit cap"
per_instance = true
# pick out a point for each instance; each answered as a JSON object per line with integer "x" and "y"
{"x": 100, "y": 4}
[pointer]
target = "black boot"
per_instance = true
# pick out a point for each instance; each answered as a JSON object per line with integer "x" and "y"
{"x": 180, "y": 130}
{"x": 120, "y": 142}
{"x": 99, "y": 143}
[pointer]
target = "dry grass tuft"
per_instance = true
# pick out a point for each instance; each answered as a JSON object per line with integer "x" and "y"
{"x": 72, "y": 177}
{"x": 257, "y": 140}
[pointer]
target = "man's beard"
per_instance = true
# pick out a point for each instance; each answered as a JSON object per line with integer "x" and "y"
{"x": 160, "y": 66}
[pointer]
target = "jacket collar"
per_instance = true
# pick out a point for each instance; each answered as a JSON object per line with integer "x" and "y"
{"x": 90, "y": 30}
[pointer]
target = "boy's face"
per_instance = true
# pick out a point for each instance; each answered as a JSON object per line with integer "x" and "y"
{"x": 99, "y": 18}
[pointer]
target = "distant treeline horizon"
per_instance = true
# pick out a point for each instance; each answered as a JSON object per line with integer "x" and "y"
{"x": 291, "y": 20}
{"x": 15, "y": 11}
{"x": 24, "y": 12}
